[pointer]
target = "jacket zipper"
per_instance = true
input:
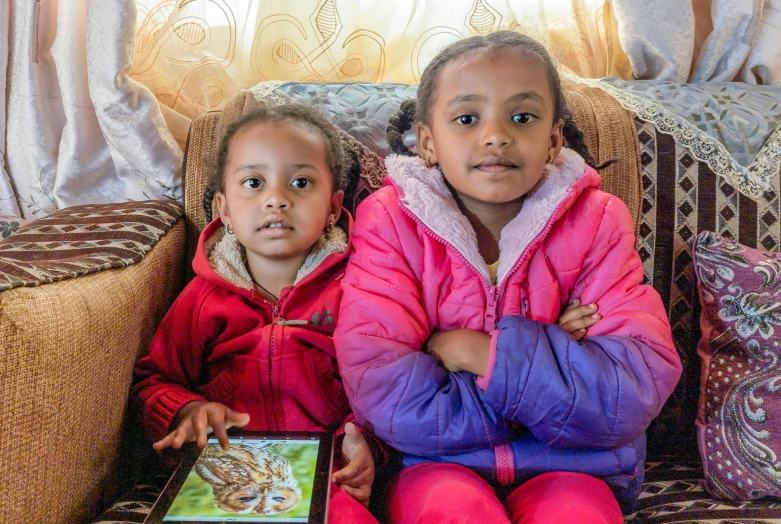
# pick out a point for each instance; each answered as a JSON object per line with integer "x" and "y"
{"x": 275, "y": 313}
{"x": 504, "y": 459}
{"x": 491, "y": 310}
{"x": 272, "y": 403}
{"x": 489, "y": 323}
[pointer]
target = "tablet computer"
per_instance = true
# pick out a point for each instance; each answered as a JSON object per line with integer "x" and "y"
{"x": 264, "y": 477}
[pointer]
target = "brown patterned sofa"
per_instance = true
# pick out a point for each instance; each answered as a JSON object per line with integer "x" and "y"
{"x": 82, "y": 291}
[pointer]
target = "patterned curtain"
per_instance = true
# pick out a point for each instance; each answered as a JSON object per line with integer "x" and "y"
{"x": 194, "y": 55}
{"x": 8, "y": 205}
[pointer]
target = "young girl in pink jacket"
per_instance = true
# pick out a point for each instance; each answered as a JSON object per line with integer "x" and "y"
{"x": 462, "y": 263}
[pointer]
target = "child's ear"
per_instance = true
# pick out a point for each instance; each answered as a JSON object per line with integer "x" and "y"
{"x": 222, "y": 207}
{"x": 425, "y": 144}
{"x": 336, "y": 207}
{"x": 556, "y": 139}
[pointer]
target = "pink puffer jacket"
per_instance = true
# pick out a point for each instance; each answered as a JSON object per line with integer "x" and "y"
{"x": 416, "y": 269}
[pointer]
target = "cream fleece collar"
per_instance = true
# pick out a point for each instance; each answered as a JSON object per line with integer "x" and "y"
{"x": 227, "y": 256}
{"x": 425, "y": 195}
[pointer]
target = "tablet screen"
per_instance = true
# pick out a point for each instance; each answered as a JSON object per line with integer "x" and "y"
{"x": 257, "y": 480}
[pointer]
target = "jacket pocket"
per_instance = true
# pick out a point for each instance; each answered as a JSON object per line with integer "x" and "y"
{"x": 329, "y": 383}
{"x": 310, "y": 391}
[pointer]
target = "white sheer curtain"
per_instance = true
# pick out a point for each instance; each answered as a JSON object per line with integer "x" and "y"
{"x": 8, "y": 205}
{"x": 79, "y": 129}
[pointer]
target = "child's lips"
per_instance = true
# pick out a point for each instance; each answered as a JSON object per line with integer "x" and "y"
{"x": 494, "y": 168}
{"x": 495, "y": 164}
{"x": 275, "y": 221}
{"x": 275, "y": 232}
{"x": 275, "y": 226}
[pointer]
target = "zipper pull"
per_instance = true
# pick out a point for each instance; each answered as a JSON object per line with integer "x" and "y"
{"x": 275, "y": 312}
{"x": 490, "y": 313}
{"x": 525, "y": 308}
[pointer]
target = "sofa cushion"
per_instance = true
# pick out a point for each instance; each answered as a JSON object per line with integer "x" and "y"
{"x": 739, "y": 416}
{"x": 81, "y": 240}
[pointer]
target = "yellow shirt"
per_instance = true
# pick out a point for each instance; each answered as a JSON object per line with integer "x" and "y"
{"x": 492, "y": 271}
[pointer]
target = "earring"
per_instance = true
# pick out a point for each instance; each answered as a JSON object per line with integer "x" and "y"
{"x": 428, "y": 163}
{"x": 229, "y": 229}
{"x": 329, "y": 226}
{"x": 550, "y": 159}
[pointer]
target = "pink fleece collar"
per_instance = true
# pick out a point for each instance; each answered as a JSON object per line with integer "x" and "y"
{"x": 424, "y": 193}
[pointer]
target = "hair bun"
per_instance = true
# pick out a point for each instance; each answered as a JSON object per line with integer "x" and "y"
{"x": 398, "y": 124}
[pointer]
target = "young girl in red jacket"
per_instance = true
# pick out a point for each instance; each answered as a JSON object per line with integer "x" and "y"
{"x": 461, "y": 265}
{"x": 248, "y": 342}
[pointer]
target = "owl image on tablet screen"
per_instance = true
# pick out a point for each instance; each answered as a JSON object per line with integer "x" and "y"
{"x": 248, "y": 479}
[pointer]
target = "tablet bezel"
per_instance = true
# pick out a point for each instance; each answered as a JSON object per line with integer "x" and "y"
{"x": 318, "y": 509}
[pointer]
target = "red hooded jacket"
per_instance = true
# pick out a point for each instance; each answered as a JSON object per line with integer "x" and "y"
{"x": 221, "y": 341}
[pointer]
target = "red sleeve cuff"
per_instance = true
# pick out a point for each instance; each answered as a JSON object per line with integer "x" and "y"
{"x": 161, "y": 413}
{"x": 482, "y": 382}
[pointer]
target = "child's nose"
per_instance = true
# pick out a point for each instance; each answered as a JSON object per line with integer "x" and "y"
{"x": 276, "y": 198}
{"x": 496, "y": 133}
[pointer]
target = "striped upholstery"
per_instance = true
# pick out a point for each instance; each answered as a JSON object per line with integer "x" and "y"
{"x": 682, "y": 197}
{"x": 81, "y": 240}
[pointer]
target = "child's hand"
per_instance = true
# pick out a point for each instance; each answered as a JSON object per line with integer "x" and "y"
{"x": 461, "y": 350}
{"x": 577, "y": 318}
{"x": 357, "y": 476}
{"x": 198, "y": 419}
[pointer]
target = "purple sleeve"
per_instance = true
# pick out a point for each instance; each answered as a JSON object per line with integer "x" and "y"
{"x": 600, "y": 393}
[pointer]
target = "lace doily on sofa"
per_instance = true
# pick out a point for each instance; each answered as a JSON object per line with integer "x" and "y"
{"x": 734, "y": 128}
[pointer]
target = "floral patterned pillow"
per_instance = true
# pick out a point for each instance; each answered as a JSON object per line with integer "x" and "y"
{"x": 739, "y": 417}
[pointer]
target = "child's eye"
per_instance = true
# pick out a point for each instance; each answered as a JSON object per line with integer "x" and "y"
{"x": 300, "y": 183}
{"x": 523, "y": 118}
{"x": 465, "y": 120}
{"x": 252, "y": 183}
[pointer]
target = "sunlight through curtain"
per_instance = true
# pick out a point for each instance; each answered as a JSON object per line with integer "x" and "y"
{"x": 195, "y": 55}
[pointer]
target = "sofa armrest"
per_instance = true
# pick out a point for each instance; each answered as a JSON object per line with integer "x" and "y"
{"x": 67, "y": 351}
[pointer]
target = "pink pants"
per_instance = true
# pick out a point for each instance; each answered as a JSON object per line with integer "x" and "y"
{"x": 342, "y": 508}
{"x": 450, "y": 493}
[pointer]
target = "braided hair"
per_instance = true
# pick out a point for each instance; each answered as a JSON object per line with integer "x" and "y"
{"x": 340, "y": 155}
{"x": 412, "y": 111}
